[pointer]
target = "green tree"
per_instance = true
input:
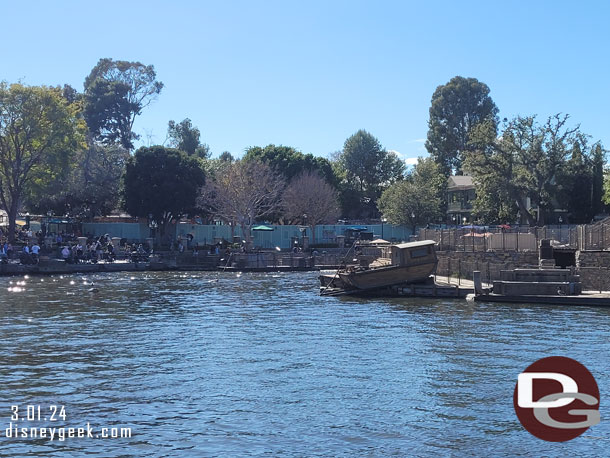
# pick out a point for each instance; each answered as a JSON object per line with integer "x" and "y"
{"x": 455, "y": 109}
{"x": 226, "y": 157}
{"x": 367, "y": 169}
{"x": 606, "y": 196}
{"x": 525, "y": 162}
{"x": 39, "y": 132}
{"x": 90, "y": 187}
{"x": 162, "y": 184}
{"x": 429, "y": 174}
{"x": 290, "y": 162}
{"x": 185, "y": 137}
{"x": 598, "y": 158}
{"x": 414, "y": 201}
{"x": 575, "y": 186}
{"x": 115, "y": 93}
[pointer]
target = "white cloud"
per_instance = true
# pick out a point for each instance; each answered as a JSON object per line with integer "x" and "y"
{"x": 399, "y": 154}
{"x": 418, "y": 140}
{"x": 411, "y": 160}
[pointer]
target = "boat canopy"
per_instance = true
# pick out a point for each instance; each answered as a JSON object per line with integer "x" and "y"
{"x": 402, "y": 246}
{"x": 262, "y": 228}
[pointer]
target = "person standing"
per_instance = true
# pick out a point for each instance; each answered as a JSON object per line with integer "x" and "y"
{"x": 25, "y": 255}
{"x": 79, "y": 252}
{"x": 35, "y": 253}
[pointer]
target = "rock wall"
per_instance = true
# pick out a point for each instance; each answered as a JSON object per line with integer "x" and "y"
{"x": 594, "y": 269}
{"x": 489, "y": 263}
{"x": 592, "y": 266}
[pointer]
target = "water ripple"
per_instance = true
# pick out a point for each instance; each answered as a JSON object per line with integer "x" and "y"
{"x": 219, "y": 364}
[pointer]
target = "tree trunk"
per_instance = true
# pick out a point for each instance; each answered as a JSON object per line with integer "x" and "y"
{"x": 313, "y": 233}
{"x": 246, "y": 231}
{"x": 524, "y": 211}
{"x": 540, "y": 221}
{"x": 12, "y": 221}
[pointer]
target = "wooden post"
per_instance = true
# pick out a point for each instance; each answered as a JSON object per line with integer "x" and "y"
{"x": 478, "y": 285}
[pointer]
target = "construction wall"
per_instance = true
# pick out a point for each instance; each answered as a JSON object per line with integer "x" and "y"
{"x": 281, "y": 236}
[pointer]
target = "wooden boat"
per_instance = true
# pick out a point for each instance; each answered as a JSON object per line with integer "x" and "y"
{"x": 403, "y": 263}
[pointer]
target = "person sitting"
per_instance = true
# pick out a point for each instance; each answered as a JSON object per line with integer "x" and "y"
{"x": 65, "y": 253}
{"x": 92, "y": 253}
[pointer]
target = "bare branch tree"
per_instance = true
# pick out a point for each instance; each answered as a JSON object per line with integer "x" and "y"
{"x": 310, "y": 200}
{"x": 241, "y": 193}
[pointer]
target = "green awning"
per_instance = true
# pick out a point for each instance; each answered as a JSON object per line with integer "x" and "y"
{"x": 262, "y": 228}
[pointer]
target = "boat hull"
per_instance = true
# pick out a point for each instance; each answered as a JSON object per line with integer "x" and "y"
{"x": 386, "y": 276}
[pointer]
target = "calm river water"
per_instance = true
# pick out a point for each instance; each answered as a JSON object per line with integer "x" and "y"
{"x": 213, "y": 364}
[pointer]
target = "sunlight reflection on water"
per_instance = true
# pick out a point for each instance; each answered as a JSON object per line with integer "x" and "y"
{"x": 204, "y": 364}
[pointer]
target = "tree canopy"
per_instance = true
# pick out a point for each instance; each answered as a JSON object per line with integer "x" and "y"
{"x": 528, "y": 162}
{"x": 162, "y": 183}
{"x": 115, "y": 93}
{"x": 366, "y": 169}
{"x": 290, "y": 162}
{"x": 39, "y": 132}
{"x": 90, "y": 187}
{"x": 455, "y": 109}
{"x": 185, "y": 137}
{"x": 416, "y": 199}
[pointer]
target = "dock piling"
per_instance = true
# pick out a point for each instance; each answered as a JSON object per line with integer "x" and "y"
{"x": 478, "y": 285}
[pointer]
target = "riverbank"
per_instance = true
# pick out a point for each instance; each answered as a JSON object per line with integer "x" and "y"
{"x": 60, "y": 267}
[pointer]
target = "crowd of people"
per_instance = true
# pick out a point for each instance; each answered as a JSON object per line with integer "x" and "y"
{"x": 29, "y": 247}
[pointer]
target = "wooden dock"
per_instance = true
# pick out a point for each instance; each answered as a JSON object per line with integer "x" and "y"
{"x": 587, "y": 298}
{"x": 439, "y": 287}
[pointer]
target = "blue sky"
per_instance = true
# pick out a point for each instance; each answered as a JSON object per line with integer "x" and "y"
{"x": 310, "y": 74}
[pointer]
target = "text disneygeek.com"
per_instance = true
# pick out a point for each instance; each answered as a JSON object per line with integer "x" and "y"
{"x": 17, "y": 430}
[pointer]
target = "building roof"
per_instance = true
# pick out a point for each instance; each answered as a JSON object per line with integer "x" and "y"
{"x": 459, "y": 182}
